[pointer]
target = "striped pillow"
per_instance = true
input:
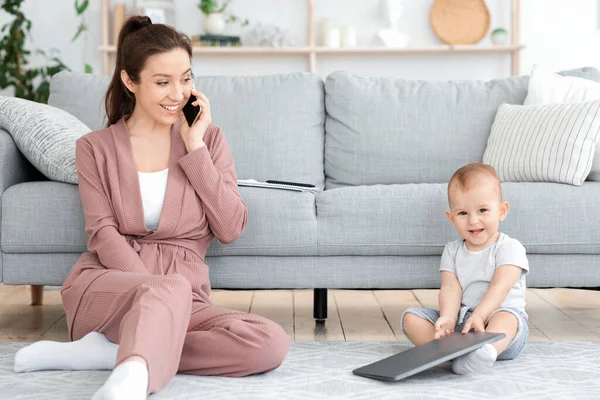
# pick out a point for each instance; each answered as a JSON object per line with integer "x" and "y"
{"x": 544, "y": 143}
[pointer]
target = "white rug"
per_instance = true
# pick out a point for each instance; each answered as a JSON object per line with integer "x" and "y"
{"x": 323, "y": 370}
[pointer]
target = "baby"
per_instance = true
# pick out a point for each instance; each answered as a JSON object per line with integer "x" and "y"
{"x": 483, "y": 275}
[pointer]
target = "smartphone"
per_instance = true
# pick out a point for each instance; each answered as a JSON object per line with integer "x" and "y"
{"x": 190, "y": 111}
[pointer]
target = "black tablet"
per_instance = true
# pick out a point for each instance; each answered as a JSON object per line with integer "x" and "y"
{"x": 428, "y": 355}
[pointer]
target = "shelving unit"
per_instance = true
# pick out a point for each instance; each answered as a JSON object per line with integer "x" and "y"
{"x": 312, "y": 50}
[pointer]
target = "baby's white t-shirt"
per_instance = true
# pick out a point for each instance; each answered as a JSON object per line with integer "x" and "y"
{"x": 475, "y": 269}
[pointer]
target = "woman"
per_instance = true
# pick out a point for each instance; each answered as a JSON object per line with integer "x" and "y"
{"x": 154, "y": 192}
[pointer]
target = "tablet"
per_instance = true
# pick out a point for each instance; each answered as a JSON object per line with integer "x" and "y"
{"x": 428, "y": 355}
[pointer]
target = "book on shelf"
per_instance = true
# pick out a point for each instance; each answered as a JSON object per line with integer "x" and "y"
{"x": 216, "y": 40}
{"x": 216, "y": 44}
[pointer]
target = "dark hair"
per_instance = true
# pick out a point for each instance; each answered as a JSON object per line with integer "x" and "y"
{"x": 139, "y": 39}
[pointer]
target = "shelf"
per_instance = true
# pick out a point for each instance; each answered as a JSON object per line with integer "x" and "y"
{"x": 236, "y": 50}
{"x": 356, "y": 50}
{"x": 312, "y": 52}
{"x": 430, "y": 49}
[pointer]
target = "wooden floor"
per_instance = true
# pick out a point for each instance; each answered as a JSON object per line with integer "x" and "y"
{"x": 554, "y": 314}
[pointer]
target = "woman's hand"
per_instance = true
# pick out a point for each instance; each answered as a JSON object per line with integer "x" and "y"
{"x": 193, "y": 136}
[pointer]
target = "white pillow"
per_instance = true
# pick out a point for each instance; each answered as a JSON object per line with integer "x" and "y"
{"x": 45, "y": 135}
{"x": 544, "y": 143}
{"x": 547, "y": 87}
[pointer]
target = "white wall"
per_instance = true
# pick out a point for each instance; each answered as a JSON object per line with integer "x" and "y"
{"x": 558, "y": 33}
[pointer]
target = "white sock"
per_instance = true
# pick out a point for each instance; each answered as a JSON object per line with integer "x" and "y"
{"x": 93, "y": 351}
{"x": 128, "y": 381}
{"x": 475, "y": 361}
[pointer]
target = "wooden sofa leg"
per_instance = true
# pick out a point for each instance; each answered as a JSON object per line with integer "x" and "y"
{"x": 37, "y": 295}
{"x": 320, "y": 305}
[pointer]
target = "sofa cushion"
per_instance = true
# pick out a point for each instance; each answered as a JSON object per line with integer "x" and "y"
{"x": 45, "y": 135}
{"x": 546, "y": 87}
{"x": 544, "y": 143}
{"x": 410, "y": 219}
{"x": 273, "y": 124}
{"x": 47, "y": 217}
{"x": 389, "y": 130}
{"x": 273, "y": 272}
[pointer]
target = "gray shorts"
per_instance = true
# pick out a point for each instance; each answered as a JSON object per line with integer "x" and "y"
{"x": 514, "y": 347}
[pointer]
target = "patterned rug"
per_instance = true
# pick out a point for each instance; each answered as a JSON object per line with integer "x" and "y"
{"x": 323, "y": 370}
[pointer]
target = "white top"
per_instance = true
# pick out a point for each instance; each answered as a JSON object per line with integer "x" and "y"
{"x": 475, "y": 269}
{"x": 153, "y": 186}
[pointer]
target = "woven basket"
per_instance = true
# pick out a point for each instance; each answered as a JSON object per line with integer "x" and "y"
{"x": 460, "y": 21}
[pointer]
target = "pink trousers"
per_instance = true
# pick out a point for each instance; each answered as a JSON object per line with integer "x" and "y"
{"x": 161, "y": 319}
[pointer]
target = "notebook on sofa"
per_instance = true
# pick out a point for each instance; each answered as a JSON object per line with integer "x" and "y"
{"x": 267, "y": 185}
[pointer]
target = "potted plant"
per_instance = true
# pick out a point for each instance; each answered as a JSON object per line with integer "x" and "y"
{"x": 15, "y": 71}
{"x": 216, "y": 16}
{"x": 28, "y": 83}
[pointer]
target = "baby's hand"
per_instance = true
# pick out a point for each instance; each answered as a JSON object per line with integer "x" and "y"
{"x": 476, "y": 323}
{"x": 444, "y": 326}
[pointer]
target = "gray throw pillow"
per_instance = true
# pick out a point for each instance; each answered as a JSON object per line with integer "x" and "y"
{"x": 45, "y": 135}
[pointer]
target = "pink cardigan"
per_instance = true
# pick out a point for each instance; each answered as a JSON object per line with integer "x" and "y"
{"x": 201, "y": 201}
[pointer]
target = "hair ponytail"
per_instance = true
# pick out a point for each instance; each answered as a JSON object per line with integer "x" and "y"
{"x": 138, "y": 40}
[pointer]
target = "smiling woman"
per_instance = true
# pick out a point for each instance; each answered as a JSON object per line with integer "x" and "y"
{"x": 143, "y": 284}
{"x": 148, "y": 48}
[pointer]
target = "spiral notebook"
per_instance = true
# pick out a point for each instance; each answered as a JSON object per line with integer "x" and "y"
{"x": 255, "y": 183}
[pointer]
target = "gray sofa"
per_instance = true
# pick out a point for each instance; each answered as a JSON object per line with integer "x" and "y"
{"x": 380, "y": 151}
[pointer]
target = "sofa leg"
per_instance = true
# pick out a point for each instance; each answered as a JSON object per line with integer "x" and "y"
{"x": 37, "y": 295}
{"x": 320, "y": 306}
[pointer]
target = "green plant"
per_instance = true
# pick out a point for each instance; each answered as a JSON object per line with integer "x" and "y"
{"x": 80, "y": 10}
{"x": 28, "y": 83}
{"x": 213, "y": 6}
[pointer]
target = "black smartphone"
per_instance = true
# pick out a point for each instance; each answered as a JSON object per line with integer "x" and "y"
{"x": 191, "y": 111}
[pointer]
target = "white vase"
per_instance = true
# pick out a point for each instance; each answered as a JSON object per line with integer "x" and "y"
{"x": 332, "y": 38}
{"x": 214, "y": 23}
{"x": 348, "y": 37}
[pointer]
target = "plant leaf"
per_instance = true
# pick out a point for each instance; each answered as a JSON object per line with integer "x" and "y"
{"x": 80, "y": 8}
{"x": 81, "y": 28}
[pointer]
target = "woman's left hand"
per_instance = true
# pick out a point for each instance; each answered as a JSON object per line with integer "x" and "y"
{"x": 193, "y": 136}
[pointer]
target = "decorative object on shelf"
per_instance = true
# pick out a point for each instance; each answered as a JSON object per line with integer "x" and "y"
{"x": 332, "y": 38}
{"x": 216, "y": 16}
{"x": 391, "y": 36}
{"x": 325, "y": 25}
{"x": 268, "y": 36}
{"x": 216, "y": 40}
{"x": 214, "y": 23}
{"x": 348, "y": 37}
{"x": 499, "y": 36}
{"x": 118, "y": 20}
{"x": 159, "y": 11}
{"x": 460, "y": 21}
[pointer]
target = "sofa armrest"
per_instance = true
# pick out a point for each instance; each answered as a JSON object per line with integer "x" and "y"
{"x": 14, "y": 168}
